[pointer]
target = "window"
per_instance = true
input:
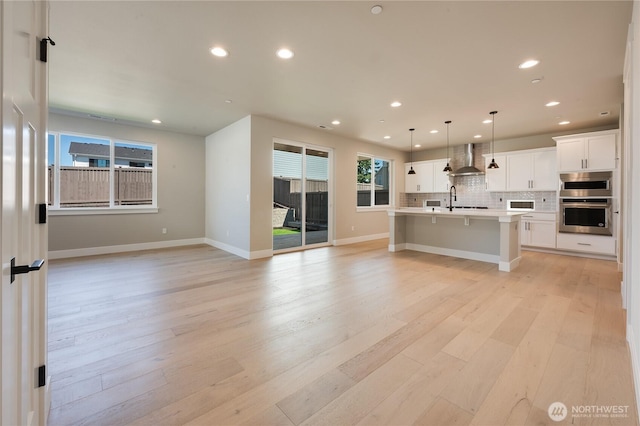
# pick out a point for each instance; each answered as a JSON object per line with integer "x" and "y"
{"x": 373, "y": 181}
{"x": 94, "y": 172}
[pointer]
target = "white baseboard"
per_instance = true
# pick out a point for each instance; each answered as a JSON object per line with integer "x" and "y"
{"x": 249, "y": 255}
{"x": 482, "y": 257}
{"x": 228, "y": 248}
{"x": 93, "y": 251}
{"x": 570, "y": 253}
{"x": 362, "y": 239}
{"x": 509, "y": 266}
{"x": 397, "y": 247}
{"x": 635, "y": 362}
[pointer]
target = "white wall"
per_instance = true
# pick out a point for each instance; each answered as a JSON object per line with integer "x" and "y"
{"x": 631, "y": 207}
{"x": 180, "y": 165}
{"x": 228, "y": 188}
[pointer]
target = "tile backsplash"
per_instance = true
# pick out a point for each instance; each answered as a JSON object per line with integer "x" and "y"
{"x": 471, "y": 192}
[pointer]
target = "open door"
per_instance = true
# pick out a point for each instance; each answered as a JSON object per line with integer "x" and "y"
{"x": 23, "y": 321}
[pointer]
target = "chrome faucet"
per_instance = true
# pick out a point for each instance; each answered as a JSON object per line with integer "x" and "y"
{"x": 452, "y": 190}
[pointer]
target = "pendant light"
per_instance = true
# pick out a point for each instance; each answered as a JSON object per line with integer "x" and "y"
{"x": 447, "y": 168}
{"x": 493, "y": 164}
{"x": 411, "y": 171}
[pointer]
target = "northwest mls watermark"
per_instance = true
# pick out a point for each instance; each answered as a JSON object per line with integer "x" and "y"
{"x": 558, "y": 411}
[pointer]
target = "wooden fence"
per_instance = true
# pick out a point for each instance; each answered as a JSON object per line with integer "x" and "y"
{"x": 381, "y": 198}
{"x": 286, "y": 192}
{"x": 90, "y": 186}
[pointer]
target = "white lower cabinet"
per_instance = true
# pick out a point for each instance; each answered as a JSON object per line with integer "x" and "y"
{"x": 538, "y": 230}
{"x": 598, "y": 244}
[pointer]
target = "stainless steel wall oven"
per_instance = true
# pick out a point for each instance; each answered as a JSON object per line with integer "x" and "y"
{"x": 585, "y": 184}
{"x": 585, "y": 216}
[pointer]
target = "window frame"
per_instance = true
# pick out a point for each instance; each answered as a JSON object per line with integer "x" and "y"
{"x": 374, "y": 207}
{"x": 54, "y": 209}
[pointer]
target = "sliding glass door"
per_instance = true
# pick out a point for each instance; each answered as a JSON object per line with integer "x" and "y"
{"x": 301, "y": 196}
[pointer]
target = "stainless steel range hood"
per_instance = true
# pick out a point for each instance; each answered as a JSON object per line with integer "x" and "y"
{"x": 468, "y": 169}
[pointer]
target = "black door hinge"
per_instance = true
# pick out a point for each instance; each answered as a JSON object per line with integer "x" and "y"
{"x": 42, "y": 376}
{"x": 43, "y": 48}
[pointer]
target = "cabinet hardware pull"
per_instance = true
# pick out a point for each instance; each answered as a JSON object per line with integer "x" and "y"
{"x": 583, "y": 244}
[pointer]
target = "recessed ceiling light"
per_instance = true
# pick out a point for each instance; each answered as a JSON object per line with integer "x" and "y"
{"x": 528, "y": 64}
{"x": 219, "y": 51}
{"x": 335, "y": 122}
{"x": 477, "y": 136}
{"x": 285, "y": 53}
{"x": 396, "y": 104}
{"x": 537, "y": 80}
{"x": 228, "y": 101}
{"x": 417, "y": 145}
{"x": 387, "y": 137}
{"x": 434, "y": 131}
{"x": 156, "y": 121}
{"x": 487, "y": 121}
{"x": 376, "y": 10}
{"x": 552, "y": 103}
{"x": 563, "y": 123}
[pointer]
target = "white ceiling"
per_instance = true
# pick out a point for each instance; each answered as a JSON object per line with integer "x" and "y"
{"x": 136, "y": 61}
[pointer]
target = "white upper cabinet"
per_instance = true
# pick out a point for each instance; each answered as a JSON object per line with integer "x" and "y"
{"x": 429, "y": 177}
{"x": 545, "y": 170}
{"x": 519, "y": 172}
{"x": 495, "y": 179}
{"x": 532, "y": 170}
{"x": 411, "y": 183}
{"x": 526, "y": 170}
{"x": 441, "y": 180}
{"x": 587, "y": 151}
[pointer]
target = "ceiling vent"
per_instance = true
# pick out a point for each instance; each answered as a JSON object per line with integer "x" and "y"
{"x": 101, "y": 117}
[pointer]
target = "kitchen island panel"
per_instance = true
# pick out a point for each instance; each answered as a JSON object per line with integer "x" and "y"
{"x": 480, "y": 235}
{"x": 484, "y": 236}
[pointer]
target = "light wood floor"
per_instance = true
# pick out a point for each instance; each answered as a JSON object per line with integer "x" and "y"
{"x": 334, "y": 336}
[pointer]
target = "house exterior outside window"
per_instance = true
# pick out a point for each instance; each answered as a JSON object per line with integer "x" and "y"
{"x": 99, "y": 173}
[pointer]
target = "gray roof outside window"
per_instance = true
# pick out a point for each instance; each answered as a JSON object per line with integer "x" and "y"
{"x": 95, "y": 150}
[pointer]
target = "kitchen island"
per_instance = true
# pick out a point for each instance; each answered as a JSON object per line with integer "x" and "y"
{"x": 485, "y": 235}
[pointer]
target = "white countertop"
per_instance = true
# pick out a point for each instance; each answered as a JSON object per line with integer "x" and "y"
{"x": 430, "y": 211}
